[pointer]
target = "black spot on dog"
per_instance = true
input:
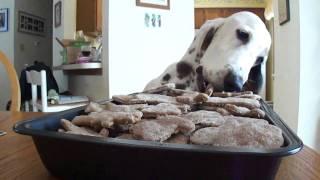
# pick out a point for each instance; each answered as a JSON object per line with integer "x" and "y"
{"x": 181, "y": 86}
{"x": 198, "y": 57}
{"x": 183, "y": 69}
{"x": 207, "y": 40}
{"x": 192, "y": 50}
{"x": 199, "y": 70}
{"x": 200, "y": 54}
{"x": 188, "y": 83}
{"x": 166, "y": 77}
{"x": 201, "y": 83}
{"x": 194, "y": 38}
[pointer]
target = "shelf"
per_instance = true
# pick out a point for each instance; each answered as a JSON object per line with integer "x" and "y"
{"x": 78, "y": 66}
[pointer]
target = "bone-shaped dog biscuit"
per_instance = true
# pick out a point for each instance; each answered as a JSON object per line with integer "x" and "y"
{"x": 73, "y": 129}
{"x": 162, "y": 109}
{"x": 253, "y": 135}
{"x": 243, "y": 111}
{"x": 144, "y": 98}
{"x": 107, "y": 119}
{"x": 205, "y": 118}
{"x": 162, "y": 128}
{"x": 217, "y": 101}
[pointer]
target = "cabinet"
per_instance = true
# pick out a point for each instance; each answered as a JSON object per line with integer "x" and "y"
{"x": 89, "y": 15}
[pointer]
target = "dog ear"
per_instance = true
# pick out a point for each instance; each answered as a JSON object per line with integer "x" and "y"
{"x": 255, "y": 78}
{"x": 204, "y": 37}
{"x": 207, "y": 39}
{"x": 209, "y": 29}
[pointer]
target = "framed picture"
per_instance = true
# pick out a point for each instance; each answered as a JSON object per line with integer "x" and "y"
{"x": 4, "y": 17}
{"x": 31, "y": 24}
{"x": 284, "y": 11}
{"x": 57, "y": 14}
{"x": 159, "y": 4}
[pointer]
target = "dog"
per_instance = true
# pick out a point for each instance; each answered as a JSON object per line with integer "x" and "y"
{"x": 227, "y": 54}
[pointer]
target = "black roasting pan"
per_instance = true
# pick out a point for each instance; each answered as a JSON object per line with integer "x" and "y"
{"x": 70, "y": 156}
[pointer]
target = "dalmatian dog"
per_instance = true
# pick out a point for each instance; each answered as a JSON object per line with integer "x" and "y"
{"x": 227, "y": 54}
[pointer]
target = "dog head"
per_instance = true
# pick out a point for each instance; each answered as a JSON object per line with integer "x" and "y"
{"x": 233, "y": 46}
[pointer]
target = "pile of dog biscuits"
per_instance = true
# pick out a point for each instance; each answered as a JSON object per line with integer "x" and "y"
{"x": 170, "y": 115}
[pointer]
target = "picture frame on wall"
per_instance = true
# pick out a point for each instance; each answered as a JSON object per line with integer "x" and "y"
{"x": 31, "y": 24}
{"x": 4, "y": 20}
{"x": 158, "y": 4}
{"x": 284, "y": 11}
{"x": 57, "y": 14}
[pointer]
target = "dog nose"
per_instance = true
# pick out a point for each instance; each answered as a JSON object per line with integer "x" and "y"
{"x": 233, "y": 82}
{"x": 243, "y": 35}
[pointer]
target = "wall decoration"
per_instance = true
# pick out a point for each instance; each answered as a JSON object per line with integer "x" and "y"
{"x": 31, "y": 24}
{"x": 159, "y": 20}
{"x": 230, "y": 3}
{"x": 159, "y": 4}
{"x": 57, "y": 14}
{"x": 284, "y": 11}
{"x": 4, "y": 20}
{"x": 146, "y": 20}
{"x": 152, "y": 20}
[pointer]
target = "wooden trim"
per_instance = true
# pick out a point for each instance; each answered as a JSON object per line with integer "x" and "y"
{"x": 99, "y": 17}
{"x": 14, "y": 83}
{"x": 150, "y": 5}
{"x": 203, "y": 14}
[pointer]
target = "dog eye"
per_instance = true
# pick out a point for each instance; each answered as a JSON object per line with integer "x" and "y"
{"x": 243, "y": 35}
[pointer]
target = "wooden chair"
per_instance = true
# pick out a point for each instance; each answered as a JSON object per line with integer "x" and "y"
{"x": 14, "y": 83}
{"x": 36, "y": 78}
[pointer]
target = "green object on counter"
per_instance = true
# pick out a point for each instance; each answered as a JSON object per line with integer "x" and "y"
{"x": 79, "y": 44}
{"x": 64, "y": 56}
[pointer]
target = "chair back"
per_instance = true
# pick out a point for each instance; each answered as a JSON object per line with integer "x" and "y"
{"x": 14, "y": 83}
{"x": 36, "y": 78}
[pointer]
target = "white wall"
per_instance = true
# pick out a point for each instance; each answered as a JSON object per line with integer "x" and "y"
{"x": 65, "y": 31}
{"x": 30, "y": 48}
{"x": 287, "y": 66}
{"x": 138, "y": 54}
{"x": 7, "y": 47}
{"x": 309, "y": 111}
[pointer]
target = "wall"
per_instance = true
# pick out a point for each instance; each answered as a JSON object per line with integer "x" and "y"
{"x": 7, "y": 47}
{"x": 138, "y": 54}
{"x": 309, "y": 114}
{"x": 30, "y": 48}
{"x": 65, "y": 31}
{"x": 287, "y": 66}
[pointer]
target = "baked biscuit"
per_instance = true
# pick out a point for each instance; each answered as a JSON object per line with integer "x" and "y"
{"x": 205, "y": 118}
{"x": 162, "y": 109}
{"x": 250, "y": 135}
{"x": 244, "y": 102}
{"x": 161, "y": 129}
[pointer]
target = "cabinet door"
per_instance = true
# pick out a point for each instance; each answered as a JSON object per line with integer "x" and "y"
{"x": 87, "y": 15}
